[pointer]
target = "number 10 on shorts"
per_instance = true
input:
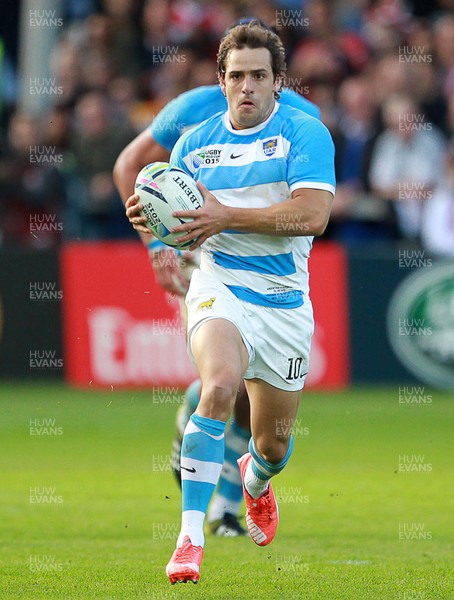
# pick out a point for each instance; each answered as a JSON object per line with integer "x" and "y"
{"x": 297, "y": 368}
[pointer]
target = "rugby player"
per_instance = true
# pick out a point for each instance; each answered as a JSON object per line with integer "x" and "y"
{"x": 276, "y": 166}
{"x": 154, "y": 144}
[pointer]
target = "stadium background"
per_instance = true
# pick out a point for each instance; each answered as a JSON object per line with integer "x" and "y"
{"x": 79, "y": 304}
{"x": 81, "y": 79}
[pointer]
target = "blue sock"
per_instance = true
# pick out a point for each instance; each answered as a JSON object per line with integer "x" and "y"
{"x": 260, "y": 471}
{"x": 229, "y": 493}
{"x": 202, "y": 455}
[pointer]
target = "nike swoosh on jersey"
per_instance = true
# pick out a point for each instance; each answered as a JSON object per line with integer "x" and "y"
{"x": 232, "y": 156}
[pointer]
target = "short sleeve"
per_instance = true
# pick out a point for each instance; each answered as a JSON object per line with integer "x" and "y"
{"x": 311, "y": 156}
{"x": 169, "y": 123}
{"x": 185, "y": 112}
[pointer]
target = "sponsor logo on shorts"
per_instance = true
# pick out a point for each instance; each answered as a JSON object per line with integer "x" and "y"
{"x": 206, "y": 305}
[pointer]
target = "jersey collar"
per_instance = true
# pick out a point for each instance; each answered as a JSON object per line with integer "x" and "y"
{"x": 250, "y": 130}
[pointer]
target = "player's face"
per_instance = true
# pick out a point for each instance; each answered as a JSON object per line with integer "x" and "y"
{"x": 249, "y": 86}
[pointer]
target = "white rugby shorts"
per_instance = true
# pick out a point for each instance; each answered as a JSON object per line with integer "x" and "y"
{"x": 278, "y": 340}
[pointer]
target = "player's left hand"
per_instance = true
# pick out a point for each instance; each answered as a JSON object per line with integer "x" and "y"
{"x": 213, "y": 217}
{"x": 133, "y": 208}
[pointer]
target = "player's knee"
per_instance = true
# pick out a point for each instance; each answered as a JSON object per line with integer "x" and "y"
{"x": 217, "y": 399}
{"x": 273, "y": 451}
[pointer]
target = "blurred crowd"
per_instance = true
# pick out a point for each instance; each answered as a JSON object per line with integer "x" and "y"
{"x": 381, "y": 71}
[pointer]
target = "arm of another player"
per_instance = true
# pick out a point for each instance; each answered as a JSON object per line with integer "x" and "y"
{"x": 143, "y": 150}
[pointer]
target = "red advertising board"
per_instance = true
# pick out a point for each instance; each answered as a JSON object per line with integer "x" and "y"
{"x": 330, "y": 355}
{"x": 122, "y": 329}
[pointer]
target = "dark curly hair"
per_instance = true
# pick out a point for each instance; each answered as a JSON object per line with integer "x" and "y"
{"x": 253, "y": 35}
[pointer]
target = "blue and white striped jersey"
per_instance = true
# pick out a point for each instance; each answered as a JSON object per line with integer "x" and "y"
{"x": 194, "y": 106}
{"x": 255, "y": 168}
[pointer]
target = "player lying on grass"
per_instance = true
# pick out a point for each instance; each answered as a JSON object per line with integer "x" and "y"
{"x": 276, "y": 165}
{"x": 152, "y": 145}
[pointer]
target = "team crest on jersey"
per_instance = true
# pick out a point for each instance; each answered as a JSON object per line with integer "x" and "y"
{"x": 270, "y": 147}
{"x": 208, "y": 157}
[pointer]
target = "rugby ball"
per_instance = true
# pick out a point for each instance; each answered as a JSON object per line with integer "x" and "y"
{"x": 163, "y": 189}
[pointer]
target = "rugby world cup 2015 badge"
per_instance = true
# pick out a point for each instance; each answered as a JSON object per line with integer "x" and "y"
{"x": 270, "y": 147}
{"x": 209, "y": 157}
{"x": 420, "y": 324}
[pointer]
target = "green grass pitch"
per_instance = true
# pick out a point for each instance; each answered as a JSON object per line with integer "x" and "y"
{"x": 89, "y": 508}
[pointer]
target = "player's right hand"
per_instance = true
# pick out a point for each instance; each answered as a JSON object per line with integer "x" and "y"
{"x": 167, "y": 267}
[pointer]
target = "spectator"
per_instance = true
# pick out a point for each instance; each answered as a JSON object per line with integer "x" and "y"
{"x": 388, "y": 76}
{"x": 97, "y": 138}
{"x": 66, "y": 68}
{"x": 124, "y": 35}
{"x": 444, "y": 48}
{"x": 385, "y": 24}
{"x": 407, "y": 162}
{"x": 437, "y": 231}
{"x": 138, "y": 54}
{"x": 31, "y": 187}
{"x": 155, "y": 23}
{"x": 423, "y": 88}
{"x": 357, "y": 216}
